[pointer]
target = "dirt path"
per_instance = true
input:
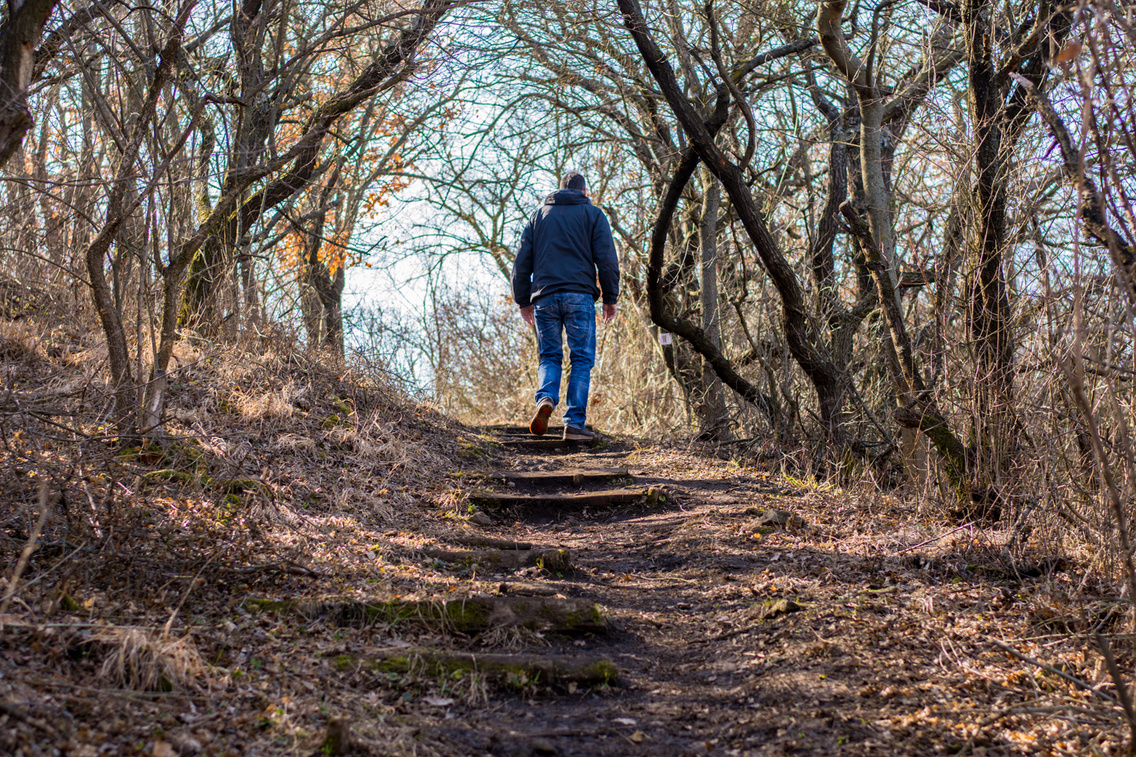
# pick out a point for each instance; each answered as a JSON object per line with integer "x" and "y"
{"x": 752, "y": 618}
{"x": 552, "y": 599}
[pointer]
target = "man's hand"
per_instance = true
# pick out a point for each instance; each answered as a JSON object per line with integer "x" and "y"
{"x": 609, "y": 312}
{"x": 527, "y": 315}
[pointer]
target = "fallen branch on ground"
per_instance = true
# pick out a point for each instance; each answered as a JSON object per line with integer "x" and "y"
{"x": 941, "y": 536}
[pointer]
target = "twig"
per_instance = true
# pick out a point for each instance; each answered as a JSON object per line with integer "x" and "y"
{"x": 185, "y": 596}
{"x": 290, "y": 568}
{"x": 1063, "y": 708}
{"x": 18, "y": 714}
{"x": 62, "y": 560}
{"x": 22, "y": 563}
{"x": 1121, "y": 686}
{"x": 941, "y": 536}
{"x": 1049, "y": 669}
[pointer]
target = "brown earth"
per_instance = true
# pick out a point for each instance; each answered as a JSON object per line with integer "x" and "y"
{"x": 318, "y": 580}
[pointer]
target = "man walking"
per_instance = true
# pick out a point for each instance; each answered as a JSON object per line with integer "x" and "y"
{"x": 566, "y": 245}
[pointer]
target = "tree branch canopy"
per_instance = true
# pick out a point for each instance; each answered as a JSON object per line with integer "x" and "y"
{"x": 800, "y": 332}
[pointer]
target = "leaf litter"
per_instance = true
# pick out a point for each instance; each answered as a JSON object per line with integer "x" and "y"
{"x": 135, "y": 628}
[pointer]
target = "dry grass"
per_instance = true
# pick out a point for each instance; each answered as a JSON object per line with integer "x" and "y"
{"x": 274, "y": 405}
{"x": 144, "y": 660}
{"x": 275, "y": 468}
{"x": 21, "y": 342}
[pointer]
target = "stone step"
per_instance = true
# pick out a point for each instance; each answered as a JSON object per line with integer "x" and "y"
{"x": 566, "y": 477}
{"x": 561, "y": 502}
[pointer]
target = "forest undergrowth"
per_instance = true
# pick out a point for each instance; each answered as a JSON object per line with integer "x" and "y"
{"x": 194, "y": 594}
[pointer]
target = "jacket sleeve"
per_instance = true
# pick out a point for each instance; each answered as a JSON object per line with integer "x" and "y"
{"x": 606, "y": 260}
{"x": 523, "y": 268}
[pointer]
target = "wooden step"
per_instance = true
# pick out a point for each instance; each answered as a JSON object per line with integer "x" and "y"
{"x": 505, "y": 428}
{"x": 551, "y": 561}
{"x": 567, "y": 477}
{"x": 606, "y": 498}
{"x": 545, "y": 443}
{"x": 488, "y": 542}
{"x": 469, "y": 615}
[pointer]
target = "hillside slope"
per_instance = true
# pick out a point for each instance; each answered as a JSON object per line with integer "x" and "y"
{"x": 311, "y": 564}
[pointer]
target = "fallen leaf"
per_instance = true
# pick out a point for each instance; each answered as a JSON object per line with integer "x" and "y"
{"x": 1068, "y": 53}
{"x": 438, "y": 701}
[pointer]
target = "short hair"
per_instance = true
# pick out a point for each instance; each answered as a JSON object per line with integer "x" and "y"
{"x": 574, "y": 180}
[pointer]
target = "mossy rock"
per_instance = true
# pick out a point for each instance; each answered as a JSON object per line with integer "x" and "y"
{"x": 68, "y": 604}
{"x": 773, "y": 519}
{"x": 186, "y": 448}
{"x": 778, "y": 607}
{"x": 468, "y": 451}
{"x": 512, "y": 671}
{"x": 267, "y": 604}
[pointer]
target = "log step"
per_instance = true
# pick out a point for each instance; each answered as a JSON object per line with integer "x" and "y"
{"x": 545, "y": 443}
{"x": 551, "y": 561}
{"x": 520, "y": 671}
{"x": 470, "y": 616}
{"x": 607, "y": 498}
{"x": 577, "y": 477}
{"x": 507, "y": 428}
{"x": 487, "y": 542}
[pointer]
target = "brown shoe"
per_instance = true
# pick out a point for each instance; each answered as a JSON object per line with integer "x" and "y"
{"x": 539, "y": 423}
{"x": 573, "y": 434}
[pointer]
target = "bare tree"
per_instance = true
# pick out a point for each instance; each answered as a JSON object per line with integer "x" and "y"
{"x": 149, "y": 133}
{"x": 20, "y": 34}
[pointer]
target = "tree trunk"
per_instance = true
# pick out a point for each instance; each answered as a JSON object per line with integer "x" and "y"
{"x": 916, "y": 408}
{"x": 715, "y": 423}
{"x": 222, "y": 279}
{"x": 121, "y": 205}
{"x": 19, "y": 37}
{"x": 989, "y": 305}
{"x": 323, "y": 291}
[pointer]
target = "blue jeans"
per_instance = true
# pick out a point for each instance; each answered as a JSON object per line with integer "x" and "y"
{"x": 575, "y": 315}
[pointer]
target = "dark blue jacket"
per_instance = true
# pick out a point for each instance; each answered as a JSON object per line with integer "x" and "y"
{"x": 565, "y": 245}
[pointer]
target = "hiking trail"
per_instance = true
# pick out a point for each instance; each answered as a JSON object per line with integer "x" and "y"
{"x": 678, "y": 609}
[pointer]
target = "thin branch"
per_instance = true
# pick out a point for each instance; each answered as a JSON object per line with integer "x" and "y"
{"x": 1092, "y": 205}
{"x": 1059, "y": 673}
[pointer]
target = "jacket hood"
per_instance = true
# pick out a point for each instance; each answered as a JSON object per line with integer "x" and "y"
{"x": 567, "y": 197}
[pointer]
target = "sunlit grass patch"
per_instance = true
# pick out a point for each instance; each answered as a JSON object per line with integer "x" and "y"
{"x": 146, "y": 660}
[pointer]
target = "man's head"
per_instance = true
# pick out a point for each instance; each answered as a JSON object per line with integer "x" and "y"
{"x": 574, "y": 180}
